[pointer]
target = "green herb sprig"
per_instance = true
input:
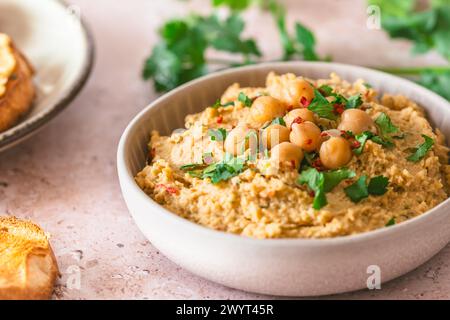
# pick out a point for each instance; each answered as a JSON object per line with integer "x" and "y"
{"x": 421, "y": 151}
{"x": 359, "y": 190}
{"x": 224, "y": 170}
{"x": 322, "y": 182}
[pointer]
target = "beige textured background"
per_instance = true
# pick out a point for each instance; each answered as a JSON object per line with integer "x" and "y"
{"x": 65, "y": 177}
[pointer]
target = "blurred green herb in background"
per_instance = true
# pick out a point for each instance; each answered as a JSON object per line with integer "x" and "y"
{"x": 181, "y": 56}
{"x": 428, "y": 29}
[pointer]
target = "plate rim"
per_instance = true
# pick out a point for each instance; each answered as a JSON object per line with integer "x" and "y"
{"x": 63, "y": 102}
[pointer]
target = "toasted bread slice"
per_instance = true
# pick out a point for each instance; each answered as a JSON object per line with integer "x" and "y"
{"x": 28, "y": 268}
{"x": 20, "y": 92}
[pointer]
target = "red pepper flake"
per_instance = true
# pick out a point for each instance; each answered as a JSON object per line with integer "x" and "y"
{"x": 219, "y": 119}
{"x": 151, "y": 153}
{"x": 309, "y": 141}
{"x": 169, "y": 189}
{"x": 338, "y": 108}
{"x": 297, "y": 120}
{"x": 305, "y": 102}
{"x": 311, "y": 193}
{"x": 355, "y": 144}
{"x": 172, "y": 190}
{"x": 293, "y": 164}
{"x": 317, "y": 164}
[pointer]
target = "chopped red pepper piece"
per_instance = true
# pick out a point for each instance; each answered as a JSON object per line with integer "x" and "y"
{"x": 293, "y": 164}
{"x": 305, "y": 102}
{"x": 297, "y": 120}
{"x": 169, "y": 189}
{"x": 338, "y": 108}
{"x": 317, "y": 164}
{"x": 356, "y": 144}
{"x": 219, "y": 119}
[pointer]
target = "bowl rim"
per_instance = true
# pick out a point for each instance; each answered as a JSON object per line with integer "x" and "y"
{"x": 127, "y": 179}
{"x": 24, "y": 129}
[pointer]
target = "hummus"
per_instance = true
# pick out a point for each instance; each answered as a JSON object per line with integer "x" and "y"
{"x": 7, "y": 62}
{"x": 397, "y": 168}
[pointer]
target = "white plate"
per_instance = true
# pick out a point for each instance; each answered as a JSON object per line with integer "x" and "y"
{"x": 291, "y": 267}
{"x": 58, "y": 45}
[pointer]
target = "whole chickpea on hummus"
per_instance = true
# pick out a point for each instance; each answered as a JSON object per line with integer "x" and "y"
{"x": 300, "y": 158}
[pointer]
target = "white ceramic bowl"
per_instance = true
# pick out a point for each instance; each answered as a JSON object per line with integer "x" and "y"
{"x": 288, "y": 267}
{"x": 53, "y": 37}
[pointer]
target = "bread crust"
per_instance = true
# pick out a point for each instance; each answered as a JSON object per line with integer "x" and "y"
{"x": 18, "y": 98}
{"x": 28, "y": 267}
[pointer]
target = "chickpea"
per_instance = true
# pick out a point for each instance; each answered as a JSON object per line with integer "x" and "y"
{"x": 287, "y": 153}
{"x": 274, "y": 134}
{"x": 356, "y": 121}
{"x": 239, "y": 140}
{"x": 303, "y": 113}
{"x": 266, "y": 108}
{"x": 298, "y": 89}
{"x": 306, "y": 135}
{"x": 335, "y": 153}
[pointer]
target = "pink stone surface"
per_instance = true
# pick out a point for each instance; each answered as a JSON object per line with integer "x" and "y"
{"x": 64, "y": 178}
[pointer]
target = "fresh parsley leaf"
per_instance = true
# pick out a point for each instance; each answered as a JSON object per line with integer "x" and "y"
{"x": 333, "y": 178}
{"x": 421, "y": 150}
{"x": 307, "y": 40}
{"x": 218, "y": 104}
{"x": 391, "y": 222}
{"x": 326, "y": 90}
{"x": 302, "y": 44}
{"x": 322, "y": 107}
{"x": 354, "y": 102}
{"x": 279, "y": 121}
{"x": 315, "y": 181}
{"x": 362, "y": 139}
{"x": 385, "y": 124}
{"x": 226, "y": 36}
{"x": 246, "y": 101}
{"x": 386, "y": 129}
{"x": 358, "y": 190}
{"x": 427, "y": 29}
{"x": 439, "y": 82}
{"x": 367, "y": 85}
{"x": 378, "y": 185}
{"x": 217, "y": 135}
{"x": 279, "y": 14}
{"x": 228, "y": 168}
{"x": 323, "y": 182}
{"x": 191, "y": 166}
{"x": 180, "y": 56}
{"x": 232, "y": 4}
{"x": 381, "y": 141}
{"x": 399, "y": 8}
{"x": 164, "y": 67}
